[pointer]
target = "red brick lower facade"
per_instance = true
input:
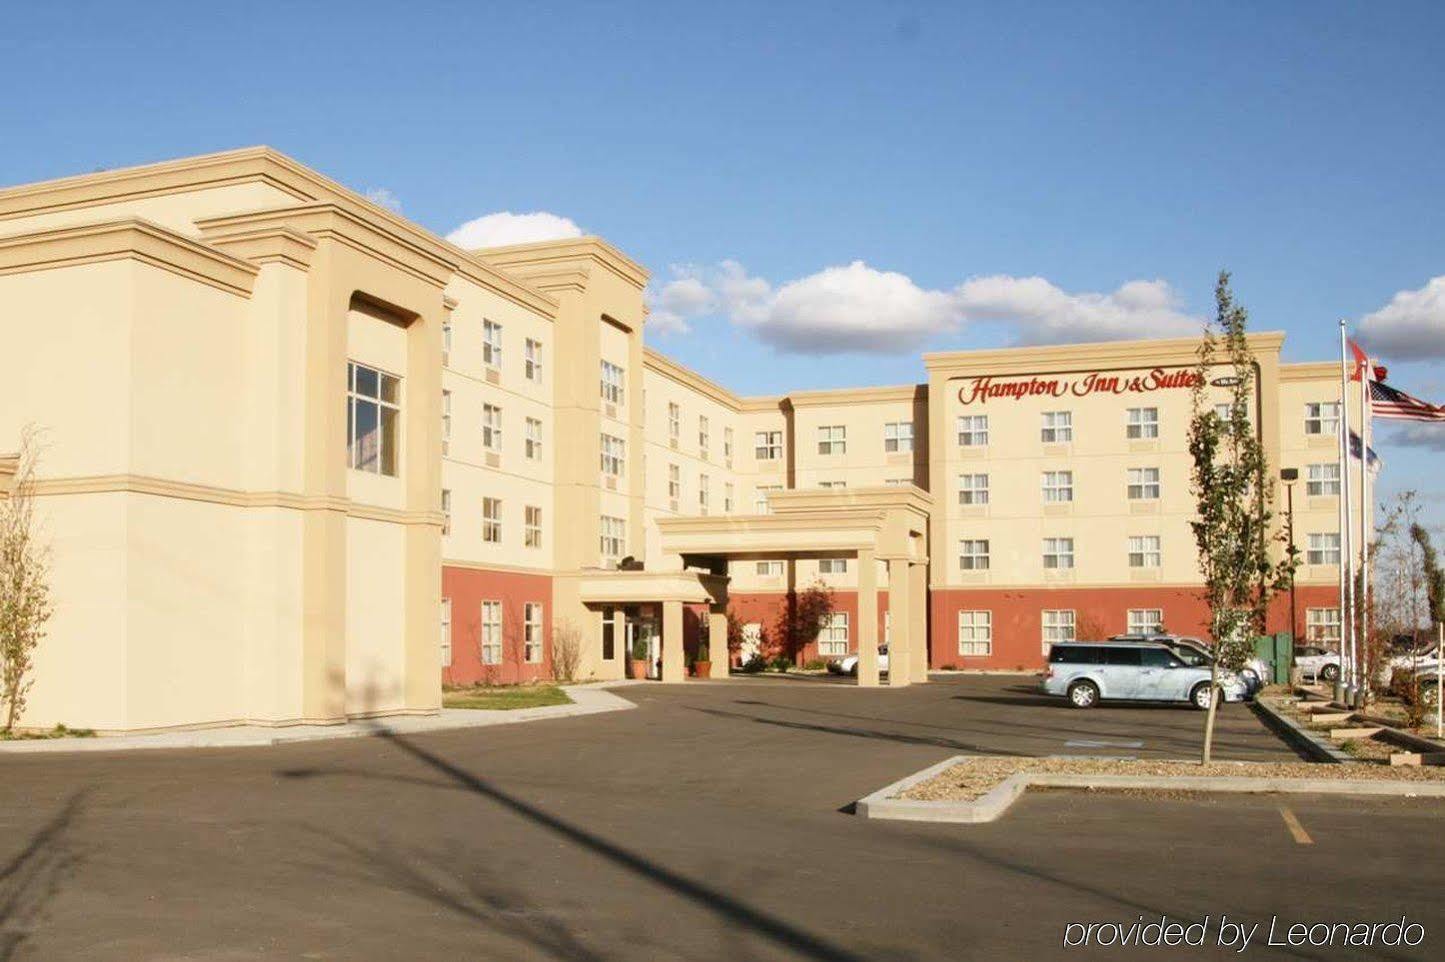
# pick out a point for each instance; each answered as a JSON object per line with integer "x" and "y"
{"x": 1017, "y": 617}
{"x": 765, "y": 608}
{"x": 467, "y": 588}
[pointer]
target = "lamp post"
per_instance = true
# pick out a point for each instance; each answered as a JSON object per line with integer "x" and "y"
{"x": 1289, "y": 476}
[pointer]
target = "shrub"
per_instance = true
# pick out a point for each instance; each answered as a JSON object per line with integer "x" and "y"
{"x": 754, "y": 665}
{"x": 782, "y": 663}
{"x": 948, "y": 667}
{"x": 816, "y": 664}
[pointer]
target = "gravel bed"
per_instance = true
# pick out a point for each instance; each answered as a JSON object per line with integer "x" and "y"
{"x": 968, "y": 780}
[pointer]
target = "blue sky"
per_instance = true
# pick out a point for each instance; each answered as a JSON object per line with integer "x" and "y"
{"x": 1119, "y": 154}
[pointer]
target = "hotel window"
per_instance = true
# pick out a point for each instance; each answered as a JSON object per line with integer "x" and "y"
{"x": 973, "y": 554}
{"x": 973, "y": 430}
{"x": 532, "y": 632}
{"x": 1058, "y": 552}
{"x": 446, "y": 421}
{"x": 1143, "y": 484}
{"x": 446, "y": 343}
{"x": 373, "y": 416}
{"x": 898, "y": 437}
{"x": 1142, "y": 424}
{"x": 532, "y": 360}
{"x": 1323, "y": 480}
{"x": 614, "y": 534}
{"x": 1058, "y": 486}
{"x": 609, "y": 634}
{"x": 768, "y": 445}
{"x": 1324, "y": 549}
{"x": 491, "y": 427}
{"x": 833, "y": 566}
{"x": 727, "y": 497}
{"x": 1322, "y": 417}
{"x": 1058, "y": 427}
{"x": 975, "y": 633}
{"x": 674, "y": 482}
{"x": 446, "y": 512}
{"x": 972, "y": 489}
{"x": 611, "y": 383}
{"x": 703, "y": 437}
{"x": 702, "y": 494}
{"x": 492, "y": 520}
{"x": 770, "y": 569}
{"x": 833, "y": 439}
{"x": 534, "y": 439}
{"x": 833, "y": 638}
{"x": 446, "y": 632}
{"x": 614, "y": 456}
{"x": 674, "y": 422}
{"x": 1322, "y": 625}
{"x": 1145, "y": 621}
{"x": 728, "y": 446}
{"x": 491, "y": 632}
{"x": 760, "y": 498}
{"x": 1144, "y": 551}
{"x": 532, "y": 526}
{"x": 491, "y": 344}
{"x": 1058, "y": 626}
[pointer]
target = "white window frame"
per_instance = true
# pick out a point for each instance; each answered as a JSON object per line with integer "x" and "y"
{"x": 832, "y": 566}
{"x": 1143, "y": 484}
{"x": 532, "y": 638}
{"x": 769, "y": 569}
{"x": 1058, "y": 487}
{"x": 1322, "y": 480}
{"x": 532, "y": 358}
{"x": 674, "y": 420}
{"x": 728, "y": 445}
{"x": 833, "y": 636}
{"x": 613, "y": 540}
{"x": 704, "y": 436}
{"x": 446, "y": 342}
{"x": 446, "y": 421}
{"x": 972, "y": 430}
{"x": 975, "y": 633}
{"x": 768, "y": 445}
{"x": 1322, "y": 418}
{"x": 446, "y": 512}
{"x": 1146, "y": 551}
{"x": 897, "y": 437}
{"x": 973, "y": 554}
{"x": 760, "y": 497}
{"x": 972, "y": 489}
{"x": 832, "y": 439}
{"x": 1142, "y": 424}
{"x": 727, "y": 497}
{"x": 1057, "y": 427}
{"x": 492, "y": 344}
{"x": 492, "y": 428}
{"x": 446, "y": 632}
{"x": 1322, "y": 550}
{"x": 1058, "y": 625}
{"x": 492, "y": 520}
{"x": 533, "y": 444}
{"x": 703, "y": 494}
{"x": 613, "y": 456}
{"x": 674, "y": 482}
{"x": 386, "y": 457}
{"x": 1058, "y": 553}
{"x": 613, "y": 383}
{"x": 1323, "y": 626}
{"x": 531, "y": 526}
{"x": 1144, "y": 621}
{"x": 490, "y": 639}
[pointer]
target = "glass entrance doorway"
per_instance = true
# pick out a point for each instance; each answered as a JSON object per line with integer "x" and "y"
{"x": 644, "y": 643}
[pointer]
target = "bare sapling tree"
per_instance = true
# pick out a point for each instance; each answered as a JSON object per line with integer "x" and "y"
{"x": 566, "y": 650}
{"x": 25, "y": 604}
{"x": 1233, "y": 490}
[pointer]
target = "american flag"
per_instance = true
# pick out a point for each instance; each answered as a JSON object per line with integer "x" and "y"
{"x": 1387, "y": 402}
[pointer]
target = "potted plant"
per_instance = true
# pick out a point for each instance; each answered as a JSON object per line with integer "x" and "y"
{"x": 701, "y": 666}
{"x": 637, "y": 659}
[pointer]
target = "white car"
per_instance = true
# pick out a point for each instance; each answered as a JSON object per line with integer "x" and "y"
{"x": 848, "y": 664}
{"x": 1318, "y": 662}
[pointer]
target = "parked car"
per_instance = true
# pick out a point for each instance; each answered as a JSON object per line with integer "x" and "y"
{"x": 1194, "y": 652}
{"x": 1317, "y": 661}
{"x": 1087, "y": 672}
{"x": 848, "y": 664}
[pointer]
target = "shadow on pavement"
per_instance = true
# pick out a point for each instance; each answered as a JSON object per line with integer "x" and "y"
{"x": 933, "y": 741}
{"x": 33, "y": 876}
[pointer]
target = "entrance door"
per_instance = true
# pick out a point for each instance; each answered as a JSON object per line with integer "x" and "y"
{"x": 643, "y": 640}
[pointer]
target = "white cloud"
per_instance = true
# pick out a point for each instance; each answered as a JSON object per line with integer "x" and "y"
{"x": 860, "y": 308}
{"x": 1429, "y": 435}
{"x": 1411, "y": 326}
{"x": 505, "y": 227}
{"x": 382, "y": 197}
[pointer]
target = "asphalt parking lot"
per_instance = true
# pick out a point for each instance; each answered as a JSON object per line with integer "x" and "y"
{"x": 710, "y": 823}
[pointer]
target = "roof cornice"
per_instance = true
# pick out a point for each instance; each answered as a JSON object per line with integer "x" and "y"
{"x": 667, "y": 367}
{"x": 857, "y": 395}
{"x": 542, "y": 254}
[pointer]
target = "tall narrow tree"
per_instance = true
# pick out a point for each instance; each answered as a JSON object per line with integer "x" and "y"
{"x": 24, "y": 577}
{"x": 1233, "y": 490}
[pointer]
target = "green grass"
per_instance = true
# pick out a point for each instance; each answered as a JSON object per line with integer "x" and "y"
{"x": 59, "y": 731}
{"x": 505, "y": 699}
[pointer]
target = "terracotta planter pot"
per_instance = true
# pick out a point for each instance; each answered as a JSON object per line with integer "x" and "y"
{"x": 702, "y": 669}
{"x": 637, "y": 667}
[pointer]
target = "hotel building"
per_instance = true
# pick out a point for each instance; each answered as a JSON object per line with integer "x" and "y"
{"x": 305, "y": 461}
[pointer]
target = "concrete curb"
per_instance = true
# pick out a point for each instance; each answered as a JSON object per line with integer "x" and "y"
{"x": 1313, "y": 746}
{"x": 883, "y": 804}
{"x": 590, "y": 699}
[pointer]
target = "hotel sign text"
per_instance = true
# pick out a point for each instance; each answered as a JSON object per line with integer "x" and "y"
{"x": 984, "y": 389}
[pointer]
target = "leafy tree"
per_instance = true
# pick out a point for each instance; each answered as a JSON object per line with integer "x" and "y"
{"x": 25, "y": 605}
{"x": 802, "y": 617}
{"x": 1434, "y": 578}
{"x": 1233, "y": 491}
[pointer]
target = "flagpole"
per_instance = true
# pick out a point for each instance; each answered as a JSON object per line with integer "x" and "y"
{"x": 1364, "y": 601}
{"x": 1347, "y": 556}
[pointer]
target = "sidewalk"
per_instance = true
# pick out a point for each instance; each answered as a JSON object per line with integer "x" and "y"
{"x": 586, "y": 700}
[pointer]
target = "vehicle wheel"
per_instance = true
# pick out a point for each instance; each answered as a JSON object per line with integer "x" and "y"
{"x": 1083, "y": 694}
{"x": 1251, "y": 677}
{"x": 853, "y": 672}
{"x": 1330, "y": 673}
{"x": 1199, "y": 697}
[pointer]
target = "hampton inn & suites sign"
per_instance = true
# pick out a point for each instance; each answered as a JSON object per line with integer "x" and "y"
{"x": 981, "y": 390}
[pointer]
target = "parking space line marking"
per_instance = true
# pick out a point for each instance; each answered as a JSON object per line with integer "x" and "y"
{"x": 1295, "y": 828}
{"x": 1100, "y": 743}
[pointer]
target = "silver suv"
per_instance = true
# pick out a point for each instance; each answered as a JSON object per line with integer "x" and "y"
{"x": 1087, "y": 672}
